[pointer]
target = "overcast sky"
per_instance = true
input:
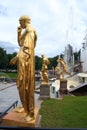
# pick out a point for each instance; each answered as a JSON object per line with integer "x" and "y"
{"x": 57, "y": 23}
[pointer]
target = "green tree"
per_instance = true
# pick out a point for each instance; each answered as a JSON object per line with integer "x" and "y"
{"x": 53, "y": 62}
{"x": 62, "y": 56}
{"x": 3, "y": 59}
{"x": 50, "y": 65}
{"x": 38, "y": 63}
{"x": 77, "y": 56}
{"x": 10, "y": 56}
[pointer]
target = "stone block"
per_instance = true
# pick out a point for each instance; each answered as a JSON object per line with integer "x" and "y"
{"x": 18, "y": 119}
{"x": 63, "y": 86}
{"x": 44, "y": 91}
{"x": 58, "y": 76}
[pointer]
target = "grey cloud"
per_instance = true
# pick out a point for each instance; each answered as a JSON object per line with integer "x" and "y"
{"x": 8, "y": 46}
{"x": 51, "y": 19}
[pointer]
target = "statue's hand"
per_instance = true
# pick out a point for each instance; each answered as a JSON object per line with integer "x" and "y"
{"x": 13, "y": 61}
{"x": 19, "y": 29}
{"x": 25, "y": 51}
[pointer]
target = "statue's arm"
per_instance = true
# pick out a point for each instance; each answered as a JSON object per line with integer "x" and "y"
{"x": 35, "y": 39}
{"x": 19, "y": 29}
{"x": 13, "y": 60}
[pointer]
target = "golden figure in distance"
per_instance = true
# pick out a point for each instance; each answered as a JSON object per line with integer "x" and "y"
{"x": 45, "y": 64}
{"x": 64, "y": 68}
{"x": 57, "y": 69}
{"x": 27, "y": 38}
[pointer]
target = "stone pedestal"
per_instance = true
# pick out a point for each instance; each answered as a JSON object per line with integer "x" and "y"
{"x": 58, "y": 76}
{"x": 18, "y": 119}
{"x": 63, "y": 86}
{"x": 44, "y": 91}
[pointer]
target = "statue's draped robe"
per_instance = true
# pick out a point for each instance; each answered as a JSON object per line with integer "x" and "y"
{"x": 26, "y": 70}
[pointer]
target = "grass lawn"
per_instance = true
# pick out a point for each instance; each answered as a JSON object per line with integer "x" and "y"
{"x": 8, "y": 75}
{"x": 70, "y": 112}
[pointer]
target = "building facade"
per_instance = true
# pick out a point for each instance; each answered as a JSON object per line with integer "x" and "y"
{"x": 68, "y": 56}
{"x": 84, "y": 56}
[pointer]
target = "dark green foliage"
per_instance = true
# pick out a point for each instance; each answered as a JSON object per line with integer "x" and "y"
{"x": 77, "y": 56}
{"x": 38, "y": 63}
{"x": 53, "y": 62}
{"x": 3, "y": 59}
{"x": 10, "y": 56}
{"x": 62, "y": 56}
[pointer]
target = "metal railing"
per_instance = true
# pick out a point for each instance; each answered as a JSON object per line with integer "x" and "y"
{"x": 30, "y": 128}
{"x": 17, "y": 128}
{"x": 5, "y": 112}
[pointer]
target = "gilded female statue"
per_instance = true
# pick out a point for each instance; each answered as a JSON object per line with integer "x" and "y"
{"x": 26, "y": 70}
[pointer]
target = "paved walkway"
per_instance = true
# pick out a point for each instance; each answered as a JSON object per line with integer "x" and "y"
{"x": 9, "y": 94}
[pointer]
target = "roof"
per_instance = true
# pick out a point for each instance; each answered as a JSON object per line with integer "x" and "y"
{"x": 79, "y": 86}
{"x": 82, "y": 75}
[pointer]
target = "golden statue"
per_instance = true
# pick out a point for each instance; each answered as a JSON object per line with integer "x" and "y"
{"x": 64, "y": 68}
{"x": 44, "y": 73}
{"x": 26, "y": 67}
{"x": 57, "y": 69}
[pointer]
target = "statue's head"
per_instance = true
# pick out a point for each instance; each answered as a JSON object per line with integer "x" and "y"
{"x": 59, "y": 59}
{"x": 42, "y": 55}
{"x": 24, "y": 20}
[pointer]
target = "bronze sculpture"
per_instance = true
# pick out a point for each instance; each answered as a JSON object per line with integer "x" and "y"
{"x": 27, "y": 38}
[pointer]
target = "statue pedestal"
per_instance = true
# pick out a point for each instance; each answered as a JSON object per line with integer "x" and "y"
{"x": 63, "y": 86}
{"x": 18, "y": 119}
{"x": 58, "y": 76}
{"x": 44, "y": 91}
